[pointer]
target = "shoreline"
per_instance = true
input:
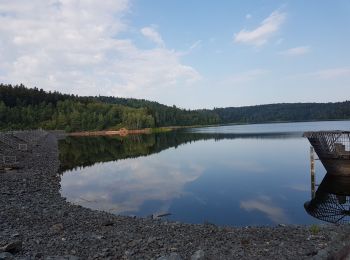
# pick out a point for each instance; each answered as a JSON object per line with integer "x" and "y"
{"x": 121, "y": 132}
{"x": 34, "y": 213}
{"x": 124, "y": 131}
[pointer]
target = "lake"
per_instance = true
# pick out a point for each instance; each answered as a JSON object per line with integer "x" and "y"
{"x": 227, "y": 175}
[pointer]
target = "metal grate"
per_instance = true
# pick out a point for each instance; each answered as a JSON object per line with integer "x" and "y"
{"x": 330, "y": 208}
{"x": 330, "y": 144}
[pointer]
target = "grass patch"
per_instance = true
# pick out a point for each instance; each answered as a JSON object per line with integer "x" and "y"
{"x": 314, "y": 229}
{"x": 161, "y": 129}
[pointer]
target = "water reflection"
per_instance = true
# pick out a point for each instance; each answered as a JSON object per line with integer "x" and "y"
{"x": 220, "y": 178}
{"x": 126, "y": 186}
{"x": 265, "y": 205}
{"x": 76, "y": 152}
{"x": 331, "y": 201}
{"x": 224, "y": 178}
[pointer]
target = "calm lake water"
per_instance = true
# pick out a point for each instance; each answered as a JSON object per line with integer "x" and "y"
{"x": 228, "y": 175}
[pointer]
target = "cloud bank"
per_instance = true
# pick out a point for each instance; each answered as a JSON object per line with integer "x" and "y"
{"x": 76, "y": 47}
{"x": 152, "y": 34}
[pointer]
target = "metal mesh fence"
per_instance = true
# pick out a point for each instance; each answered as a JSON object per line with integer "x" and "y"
{"x": 330, "y": 208}
{"x": 330, "y": 144}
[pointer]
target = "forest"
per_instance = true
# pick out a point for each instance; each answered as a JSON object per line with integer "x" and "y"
{"x": 287, "y": 112}
{"x": 29, "y": 108}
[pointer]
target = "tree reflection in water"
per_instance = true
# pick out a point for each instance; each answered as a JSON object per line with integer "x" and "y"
{"x": 76, "y": 152}
{"x": 204, "y": 181}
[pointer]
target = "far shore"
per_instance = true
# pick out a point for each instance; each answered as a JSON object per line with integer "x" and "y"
{"x": 121, "y": 132}
{"x": 125, "y": 132}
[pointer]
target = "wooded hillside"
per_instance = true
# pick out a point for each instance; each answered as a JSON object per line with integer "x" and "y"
{"x": 27, "y": 108}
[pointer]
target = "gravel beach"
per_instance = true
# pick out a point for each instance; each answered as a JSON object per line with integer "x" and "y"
{"x": 37, "y": 223}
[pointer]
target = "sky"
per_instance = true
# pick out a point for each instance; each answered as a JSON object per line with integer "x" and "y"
{"x": 188, "y": 53}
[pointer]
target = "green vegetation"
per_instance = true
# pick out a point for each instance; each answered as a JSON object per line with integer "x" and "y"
{"x": 25, "y": 108}
{"x": 314, "y": 229}
{"x": 85, "y": 151}
{"x": 285, "y": 112}
{"x": 88, "y": 150}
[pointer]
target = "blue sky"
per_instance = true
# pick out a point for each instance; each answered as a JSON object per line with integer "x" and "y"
{"x": 194, "y": 54}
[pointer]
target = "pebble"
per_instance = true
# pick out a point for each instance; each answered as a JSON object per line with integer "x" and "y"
{"x": 6, "y": 256}
{"x": 321, "y": 254}
{"x": 198, "y": 255}
{"x": 12, "y": 247}
{"x": 58, "y": 228}
{"x": 172, "y": 256}
{"x": 65, "y": 257}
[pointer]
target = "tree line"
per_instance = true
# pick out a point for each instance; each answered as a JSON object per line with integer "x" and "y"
{"x": 29, "y": 108}
{"x": 285, "y": 112}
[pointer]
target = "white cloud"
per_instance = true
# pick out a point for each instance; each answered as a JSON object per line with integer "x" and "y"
{"x": 248, "y": 16}
{"x": 152, "y": 34}
{"x": 297, "y": 51}
{"x": 196, "y": 44}
{"x": 75, "y": 47}
{"x": 332, "y": 73}
{"x": 261, "y": 34}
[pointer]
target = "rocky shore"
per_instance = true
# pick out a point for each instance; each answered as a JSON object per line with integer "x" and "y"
{"x": 37, "y": 223}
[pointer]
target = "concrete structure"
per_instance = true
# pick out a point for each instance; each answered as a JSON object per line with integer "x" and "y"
{"x": 333, "y": 149}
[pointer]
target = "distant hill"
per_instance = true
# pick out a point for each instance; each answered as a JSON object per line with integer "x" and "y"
{"x": 24, "y": 108}
{"x": 257, "y": 114}
{"x": 285, "y": 112}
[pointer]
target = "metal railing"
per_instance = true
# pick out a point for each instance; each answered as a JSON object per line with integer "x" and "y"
{"x": 330, "y": 144}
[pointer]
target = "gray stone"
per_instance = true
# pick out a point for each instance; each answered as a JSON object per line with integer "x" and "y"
{"x": 57, "y": 228}
{"x": 108, "y": 223}
{"x": 322, "y": 254}
{"x": 344, "y": 253}
{"x": 6, "y": 256}
{"x": 172, "y": 256}
{"x": 198, "y": 255}
{"x": 65, "y": 257}
{"x": 15, "y": 235}
{"x": 12, "y": 247}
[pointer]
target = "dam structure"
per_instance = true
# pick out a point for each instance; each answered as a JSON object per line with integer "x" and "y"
{"x": 333, "y": 150}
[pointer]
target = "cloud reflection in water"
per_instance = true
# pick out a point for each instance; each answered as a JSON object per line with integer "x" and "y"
{"x": 264, "y": 205}
{"x": 123, "y": 187}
